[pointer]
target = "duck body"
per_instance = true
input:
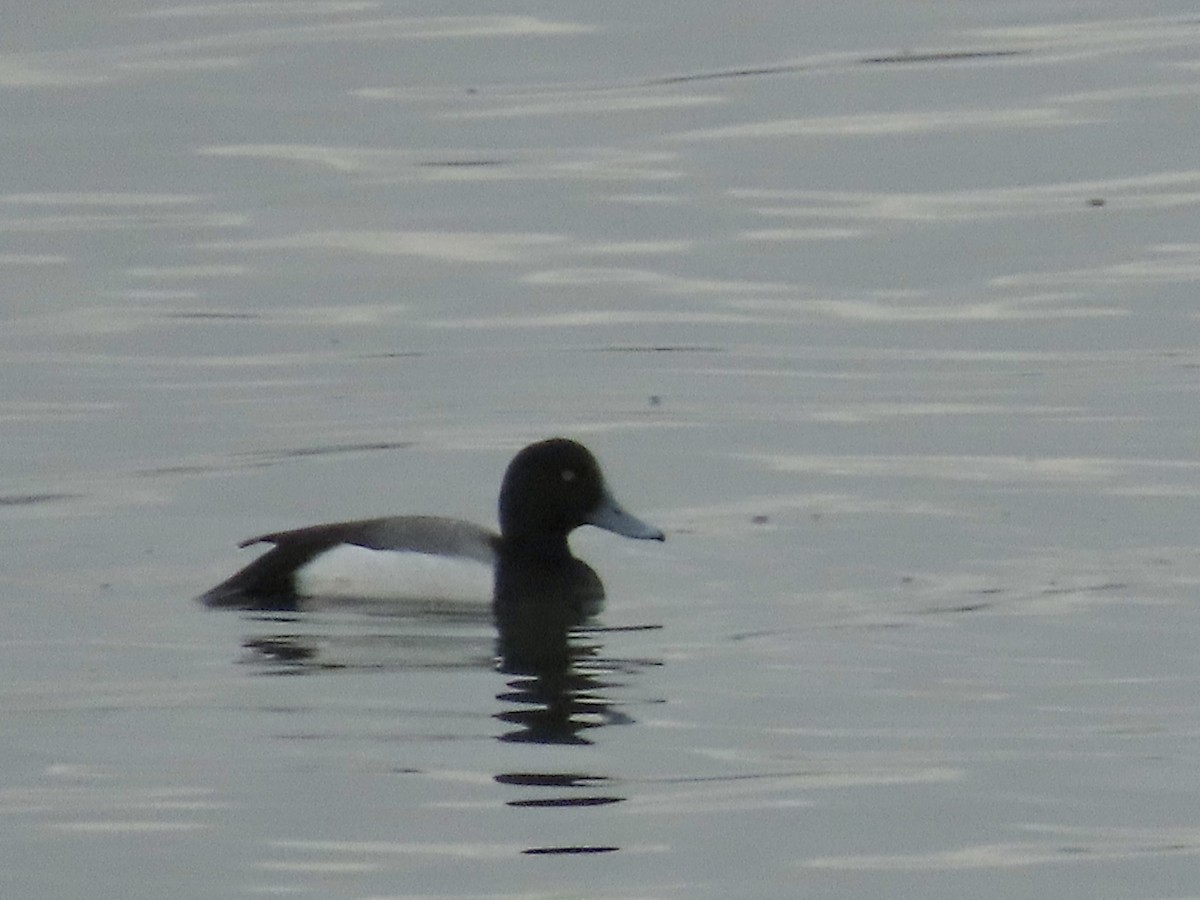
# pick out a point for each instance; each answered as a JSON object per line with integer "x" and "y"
{"x": 549, "y": 489}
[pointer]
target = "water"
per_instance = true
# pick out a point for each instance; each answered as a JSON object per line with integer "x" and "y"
{"x": 885, "y": 313}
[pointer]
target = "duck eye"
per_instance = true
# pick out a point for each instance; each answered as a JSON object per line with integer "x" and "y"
{"x": 568, "y": 475}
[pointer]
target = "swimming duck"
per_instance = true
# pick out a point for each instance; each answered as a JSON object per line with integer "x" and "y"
{"x": 549, "y": 489}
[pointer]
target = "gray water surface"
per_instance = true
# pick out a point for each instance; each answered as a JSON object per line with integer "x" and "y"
{"x": 885, "y": 312}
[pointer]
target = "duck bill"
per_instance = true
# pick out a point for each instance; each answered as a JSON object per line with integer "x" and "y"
{"x": 609, "y": 516}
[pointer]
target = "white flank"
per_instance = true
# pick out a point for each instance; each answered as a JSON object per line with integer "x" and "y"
{"x": 356, "y": 572}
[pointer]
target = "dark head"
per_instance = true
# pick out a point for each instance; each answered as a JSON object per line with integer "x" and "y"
{"x": 553, "y": 487}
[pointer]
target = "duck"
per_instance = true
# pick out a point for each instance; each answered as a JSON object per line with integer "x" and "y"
{"x": 550, "y": 488}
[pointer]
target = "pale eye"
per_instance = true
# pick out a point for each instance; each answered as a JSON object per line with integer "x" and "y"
{"x": 568, "y": 475}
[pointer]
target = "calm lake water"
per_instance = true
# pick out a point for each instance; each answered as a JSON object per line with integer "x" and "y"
{"x": 887, "y": 313}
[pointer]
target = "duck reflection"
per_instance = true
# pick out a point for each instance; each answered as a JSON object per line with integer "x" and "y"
{"x": 542, "y": 614}
{"x": 541, "y": 631}
{"x": 536, "y": 606}
{"x": 560, "y": 684}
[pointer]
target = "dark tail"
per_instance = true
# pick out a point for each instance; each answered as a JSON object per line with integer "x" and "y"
{"x": 268, "y": 583}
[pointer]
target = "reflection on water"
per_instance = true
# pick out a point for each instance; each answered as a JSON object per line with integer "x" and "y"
{"x": 560, "y": 683}
{"x": 561, "y": 680}
{"x": 557, "y": 704}
{"x": 557, "y": 707}
{"x": 537, "y": 609}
